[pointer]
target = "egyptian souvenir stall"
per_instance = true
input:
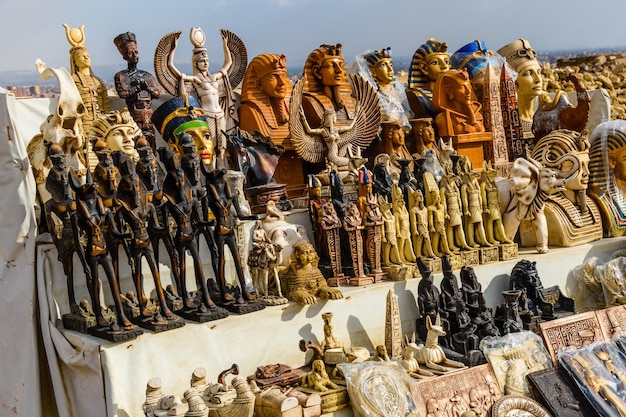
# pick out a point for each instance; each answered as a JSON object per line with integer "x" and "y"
{"x": 375, "y": 255}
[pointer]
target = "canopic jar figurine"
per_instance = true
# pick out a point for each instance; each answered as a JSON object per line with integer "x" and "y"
{"x": 214, "y": 91}
{"x": 137, "y": 87}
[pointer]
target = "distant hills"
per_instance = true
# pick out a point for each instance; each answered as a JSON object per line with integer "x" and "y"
{"x": 107, "y": 72}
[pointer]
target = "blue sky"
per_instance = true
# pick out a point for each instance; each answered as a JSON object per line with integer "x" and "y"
{"x": 33, "y": 29}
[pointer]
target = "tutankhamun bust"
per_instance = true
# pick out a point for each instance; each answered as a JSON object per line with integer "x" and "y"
{"x": 429, "y": 61}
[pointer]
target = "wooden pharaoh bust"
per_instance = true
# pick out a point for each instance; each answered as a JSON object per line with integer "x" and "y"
{"x": 327, "y": 87}
{"x": 459, "y": 111}
{"x": 429, "y": 61}
{"x": 265, "y": 96}
{"x": 607, "y": 181}
{"x": 529, "y": 83}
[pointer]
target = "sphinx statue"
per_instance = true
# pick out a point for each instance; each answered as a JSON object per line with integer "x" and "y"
{"x": 572, "y": 218}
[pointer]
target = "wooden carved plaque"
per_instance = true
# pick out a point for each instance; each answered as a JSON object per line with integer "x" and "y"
{"x": 576, "y": 331}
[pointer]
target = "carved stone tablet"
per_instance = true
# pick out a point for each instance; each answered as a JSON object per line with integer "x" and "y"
{"x": 612, "y": 321}
{"x": 472, "y": 388}
{"x": 576, "y": 331}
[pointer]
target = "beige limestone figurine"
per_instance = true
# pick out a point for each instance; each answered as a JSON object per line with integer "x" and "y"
{"x": 473, "y": 208}
{"x": 390, "y": 250}
{"x": 304, "y": 281}
{"x": 494, "y": 227}
{"x": 403, "y": 225}
{"x": 419, "y": 226}
{"x": 529, "y": 83}
{"x": 451, "y": 199}
{"x": 92, "y": 89}
{"x": 118, "y": 130}
{"x": 573, "y": 218}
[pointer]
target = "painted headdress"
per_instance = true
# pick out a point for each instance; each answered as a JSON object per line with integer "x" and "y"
{"x": 519, "y": 55}
{"x": 417, "y": 78}
{"x": 176, "y": 115}
{"x": 122, "y": 41}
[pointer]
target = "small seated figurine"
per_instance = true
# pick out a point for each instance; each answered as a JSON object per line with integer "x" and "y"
{"x": 318, "y": 378}
{"x": 459, "y": 111}
{"x": 304, "y": 281}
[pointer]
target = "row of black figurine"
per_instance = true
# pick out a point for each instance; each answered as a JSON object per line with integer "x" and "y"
{"x": 125, "y": 203}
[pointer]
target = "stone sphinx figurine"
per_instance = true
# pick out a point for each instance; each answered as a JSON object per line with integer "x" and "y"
{"x": 304, "y": 281}
{"x": 429, "y": 61}
{"x": 213, "y": 90}
{"x": 607, "y": 175}
{"x": 137, "y": 87}
{"x": 572, "y": 218}
{"x": 331, "y": 116}
{"x": 459, "y": 112}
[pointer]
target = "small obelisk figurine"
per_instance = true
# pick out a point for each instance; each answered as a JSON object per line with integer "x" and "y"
{"x": 137, "y": 87}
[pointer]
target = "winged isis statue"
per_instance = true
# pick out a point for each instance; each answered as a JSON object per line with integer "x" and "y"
{"x": 214, "y": 91}
{"x": 336, "y": 143}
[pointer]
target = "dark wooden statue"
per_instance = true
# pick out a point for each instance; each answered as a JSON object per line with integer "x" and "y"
{"x": 220, "y": 200}
{"x": 137, "y": 213}
{"x": 149, "y": 172}
{"x": 184, "y": 210}
{"x": 60, "y": 212}
{"x": 137, "y": 87}
{"x": 91, "y": 217}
